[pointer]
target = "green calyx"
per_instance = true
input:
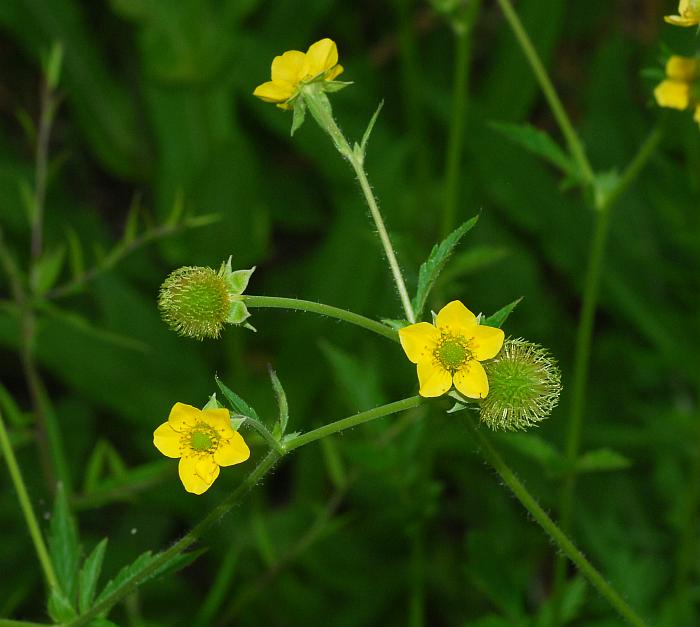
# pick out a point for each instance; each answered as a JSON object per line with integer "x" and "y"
{"x": 524, "y": 386}
{"x": 197, "y": 301}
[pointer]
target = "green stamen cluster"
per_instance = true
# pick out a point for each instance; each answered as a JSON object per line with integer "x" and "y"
{"x": 203, "y": 438}
{"x": 524, "y": 386}
{"x": 452, "y": 352}
{"x": 194, "y": 301}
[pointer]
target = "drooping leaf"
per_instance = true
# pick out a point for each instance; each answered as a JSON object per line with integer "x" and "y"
{"x": 431, "y": 268}
{"x": 497, "y": 319}
{"x": 539, "y": 143}
{"x": 236, "y": 402}
{"x": 63, "y": 544}
{"x": 90, "y": 574}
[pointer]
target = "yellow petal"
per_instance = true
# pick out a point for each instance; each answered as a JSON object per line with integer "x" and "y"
{"x": 274, "y": 91}
{"x": 287, "y": 67}
{"x": 232, "y": 451}
{"x": 333, "y": 72}
{"x": 167, "y": 440}
{"x": 682, "y": 69}
{"x": 471, "y": 380}
{"x": 220, "y": 419}
{"x": 486, "y": 342}
{"x": 455, "y": 317}
{"x": 207, "y": 468}
{"x": 434, "y": 380}
{"x": 183, "y": 416}
{"x": 672, "y": 94}
{"x": 418, "y": 340}
{"x": 190, "y": 478}
{"x": 321, "y": 56}
{"x": 677, "y": 20}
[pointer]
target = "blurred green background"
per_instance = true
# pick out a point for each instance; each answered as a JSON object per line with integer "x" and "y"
{"x": 398, "y": 522}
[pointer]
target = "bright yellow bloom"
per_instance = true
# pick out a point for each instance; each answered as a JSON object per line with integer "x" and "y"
{"x": 681, "y": 89}
{"x": 688, "y": 14}
{"x": 450, "y": 351}
{"x": 203, "y": 440}
{"x": 294, "y": 69}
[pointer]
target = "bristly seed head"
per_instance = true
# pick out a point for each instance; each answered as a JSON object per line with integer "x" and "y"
{"x": 194, "y": 301}
{"x": 524, "y": 386}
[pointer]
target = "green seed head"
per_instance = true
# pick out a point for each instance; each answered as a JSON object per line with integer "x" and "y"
{"x": 524, "y": 386}
{"x": 195, "y": 302}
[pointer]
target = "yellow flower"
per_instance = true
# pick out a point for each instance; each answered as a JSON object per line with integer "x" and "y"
{"x": 203, "y": 440}
{"x": 294, "y": 69}
{"x": 681, "y": 89}
{"x": 688, "y": 14}
{"x": 450, "y": 351}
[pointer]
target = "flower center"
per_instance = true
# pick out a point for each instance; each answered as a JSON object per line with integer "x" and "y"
{"x": 452, "y": 351}
{"x": 203, "y": 438}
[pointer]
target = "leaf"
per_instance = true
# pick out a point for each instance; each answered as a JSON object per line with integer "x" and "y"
{"x": 601, "y": 460}
{"x": 59, "y": 607}
{"x": 89, "y": 576}
{"x": 213, "y": 403}
{"x": 395, "y": 324}
{"x": 539, "y": 143}
{"x": 177, "y": 211}
{"x": 298, "y": 116}
{"x": 537, "y": 449}
{"x": 11, "y": 410}
{"x": 431, "y": 268}
{"x": 370, "y": 127}
{"x": 104, "y": 454}
{"x": 497, "y": 319}
{"x": 63, "y": 544}
{"x": 282, "y": 403}
{"x": 47, "y": 269}
{"x": 236, "y": 402}
{"x": 126, "y": 575}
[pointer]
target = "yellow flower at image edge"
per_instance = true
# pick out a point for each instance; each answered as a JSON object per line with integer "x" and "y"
{"x": 203, "y": 440}
{"x": 450, "y": 351}
{"x": 681, "y": 89}
{"x": 688, "y": 14}
{"x": 294, "y": 68}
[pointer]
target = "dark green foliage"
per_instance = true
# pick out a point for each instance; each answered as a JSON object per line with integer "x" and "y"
{"x": 396, "y": 522}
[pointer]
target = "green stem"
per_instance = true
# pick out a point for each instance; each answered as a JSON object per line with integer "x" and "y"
{"x": 26, "y": 505}
{"x": 352, "y": 421}
{"x": 453, "y": 161}
{"x": 270, "y": 439}
{"x": 562, "y": 118}
{"x": 320, "y": 108}
{"x": 295, "y": 304}
{"x": 263, "y": 467}
{"x": 550, "y": 527}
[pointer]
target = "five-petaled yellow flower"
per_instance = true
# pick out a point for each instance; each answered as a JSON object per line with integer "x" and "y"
{"x": 203, "y": 440}
{"x": 688, "y": 14}
{"x": 294, "y": 69}
{"x": 450, "y": 351}
{"x": 681, "y": 89}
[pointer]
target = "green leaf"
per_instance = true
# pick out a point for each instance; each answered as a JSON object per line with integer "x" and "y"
{"x": 497, "y": 319}
{"x": 103, "y": 455}
{"x": 76, "y": 258}
{"x": 236, "y": 402}
{"x": 431, "y": 268}
{"x": 282, "y": 403}
{"x": 47, "y": 269}
{"x": 126, "y": 576}
{"x": 11, "y": 410}
{"x": 63, "y": 544}
{"x": 357, "y": 379}
{"x": 601, "y": 460}
{"x": 213, "y": 403}
{"x": 238, "y": 280}
{"x": 238, "y": 313}
{"x": 299, "y": 114}
{"x": 52, "y": 65}
{"x": 370, "y": 127}
{"x": 395, "y": 323}
{"x": 89, "y": 576}
{"x": 539, "y": 143}
{"x": 536, "y": 448}
{"x": 59, "y": 607}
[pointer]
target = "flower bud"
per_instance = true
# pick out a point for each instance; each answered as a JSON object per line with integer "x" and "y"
{"x": 196, "y": 301}
{"x": 524, "y": 386}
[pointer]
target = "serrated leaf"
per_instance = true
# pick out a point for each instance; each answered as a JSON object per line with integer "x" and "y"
{"x": 601, "y": 460}
{"x": 236, "y": 402}
{"x": 63, "y": 544}
{"x": 47, "y": 269}
{"x": 497, "y": 319}
{"x": 431, "y": 268}
{"x": 125, "y": 576}
{"x": 282, "y": 404}
{"x": 89, "y": 576}
{"x": 539, "y": 143}
{"x": 59, "y": 607}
